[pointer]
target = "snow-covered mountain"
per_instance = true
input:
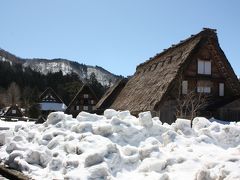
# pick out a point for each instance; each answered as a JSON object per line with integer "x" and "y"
{"x": 45, "y": 66}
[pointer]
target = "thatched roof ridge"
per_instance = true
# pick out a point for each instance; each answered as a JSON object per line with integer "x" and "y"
{"x": 153, "y": 78}
{"x": 111, "y": 94}
{"x": 204, "y": 32}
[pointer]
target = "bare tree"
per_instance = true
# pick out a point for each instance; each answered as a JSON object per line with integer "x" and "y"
{"x": 13, "y": 94}
{"x": 190, "y": 104}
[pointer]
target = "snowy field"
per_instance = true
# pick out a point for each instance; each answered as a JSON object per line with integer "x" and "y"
{"x": 120, "y": 146}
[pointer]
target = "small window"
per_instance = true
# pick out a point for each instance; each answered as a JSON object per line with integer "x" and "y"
{"x": 204, "y": 89}
{"x": 184, "y": 87}
{"x": 77, "y": 108}
{"x": 204, "y": 67}
{"x": 221, "y": 89}
{"x": 85, "y": 96}
{"x": 92, "y": 102}
{"x": 85, "y": 108}
{"x": 14, "y": 111}
{"x": 204, "y": 86}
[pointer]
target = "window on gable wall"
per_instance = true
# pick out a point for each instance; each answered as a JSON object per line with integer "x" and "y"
{"x": 221, "y": 89}
{"x": 204, "y": 67}
{"x": 204, "y": 86}
{"x": 85, "y": 96}
{"x": 85, "y": 108}
{"x": 184, "y": 87}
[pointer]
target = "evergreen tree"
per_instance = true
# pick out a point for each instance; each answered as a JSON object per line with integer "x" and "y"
{"x": 96, "y": 86}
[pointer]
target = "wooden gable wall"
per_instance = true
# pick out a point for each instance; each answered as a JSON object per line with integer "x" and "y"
{"x": 85, "y": 100}
{"x": 193, "y": 77}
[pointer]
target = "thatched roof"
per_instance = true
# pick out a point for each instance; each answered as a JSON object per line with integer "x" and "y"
{"x": 152, "y": 79}
{"x": 18, "y": 112}
{"x": 52, "y": 93}
{"x": 111, "y": 94}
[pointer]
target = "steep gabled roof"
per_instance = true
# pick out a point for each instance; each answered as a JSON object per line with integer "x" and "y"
{"x": 53, "y": 93}
{"x": 111, "y": 94}
{"x": 18, "y": 112}
{"x": 85, "y": 86}
{"x": 152, "y": 79}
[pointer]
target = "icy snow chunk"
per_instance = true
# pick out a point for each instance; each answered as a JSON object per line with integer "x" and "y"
{"x": 109, "y": 113}
{"x": 117, "y": 122}
{"x": 125, "y": 133}
{"x": 113, "y": 158}
{"x": 130, "y": 154}
{"x": 157, "y": 130}
{"x": 184, "y": 126}
{"x": 200, "y": 123}
{"x": 103, "y": 129}
{"x": 203, "y": 174}
{"x": 169, "y": 137}
{"x": 123, "y": 114}
{"x": 71, "y": 147}
{"x": 215, "y": 127}
{"x": 55, "y": 117}
{"x": 19, "y": 163}
{"x": 47, "y": 136}
{"x": 10, "y": 160}
{"x": 85, "y": 116}
{"x": 18, "y": 138}
{"x": 82, "y": 127}
{"x": 55, "y": 164}
{"x": 93, "y": 159}
{"x": 145, "y": 119}
{"x": 157, "y": 120}
{"x": 149, "y": 148}
{"x": 55, "y": 142}
{"x": 5, "y": 137}
{"x": 14, "y": 146}
{"x": 229, "y": 136}
{"x": 33, "y": 157}
{"x": 71, "y": 163}
{"x": 152, "y": 164}
{"x": 99, "y": 171}
{"x": 39, "y": 157}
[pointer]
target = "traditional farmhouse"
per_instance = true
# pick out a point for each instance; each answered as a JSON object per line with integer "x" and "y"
{"x": 111, "y": 94}
{"x": 196, "y": 65}
{"x": 85, "y": 100}
{"x": 50, "y": 102}
{"x": 12, "y": 112}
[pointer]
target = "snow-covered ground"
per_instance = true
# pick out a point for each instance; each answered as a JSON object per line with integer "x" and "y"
{"x": 120, "y": 146}
{"x": 6, "y": 125}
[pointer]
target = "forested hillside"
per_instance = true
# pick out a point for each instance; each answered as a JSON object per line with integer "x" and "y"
{"x": 23, "y": 86}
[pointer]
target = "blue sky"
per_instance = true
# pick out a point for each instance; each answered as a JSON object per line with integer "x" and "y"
{"x": 117, "y": 35}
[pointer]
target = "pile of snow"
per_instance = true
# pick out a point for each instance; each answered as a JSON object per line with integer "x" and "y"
{"x": 118, "y": 145}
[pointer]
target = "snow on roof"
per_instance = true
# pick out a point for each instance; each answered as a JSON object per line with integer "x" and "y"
{"x": 48, "y": 106}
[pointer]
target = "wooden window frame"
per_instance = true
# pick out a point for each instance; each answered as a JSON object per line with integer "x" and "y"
{"x": 204, "y": 70}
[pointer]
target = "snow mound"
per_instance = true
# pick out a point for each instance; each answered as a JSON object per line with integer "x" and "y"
{"x": 118, "y": 145}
